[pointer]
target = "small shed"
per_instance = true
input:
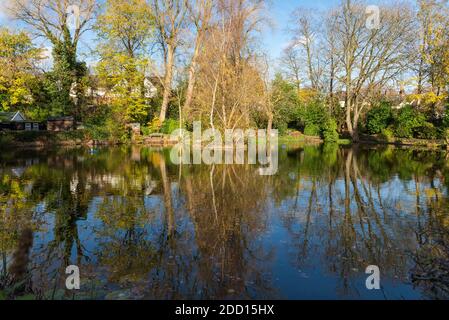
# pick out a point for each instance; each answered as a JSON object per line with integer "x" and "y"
{"x": 60, "y": 124}
{"x": 16, "y": 121}
{"x": 12, "y": 116}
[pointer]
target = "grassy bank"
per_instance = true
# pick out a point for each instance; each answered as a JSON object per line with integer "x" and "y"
{"x": 82, "y": 137}
{"x": 381, "y": 139}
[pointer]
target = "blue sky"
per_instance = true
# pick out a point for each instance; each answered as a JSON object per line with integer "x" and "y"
{"x": 275, "y": 38}
{"x": 280, "y": 11}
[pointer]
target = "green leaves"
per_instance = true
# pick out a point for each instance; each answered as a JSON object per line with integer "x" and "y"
{"x": 379, "y": 118}
{"x": 18, "y": 56}
{"x": 407, "y": 121}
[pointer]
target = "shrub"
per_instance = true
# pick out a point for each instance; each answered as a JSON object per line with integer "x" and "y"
{"x": 315, "y": 117}
{"x": 378, "y": 118}
{"x": 154, "y": 125}
{"x": 387, "y": 134}
{"x": 426, "y": 131}
{"x": 407, "y": 122}
{"x": 145, "y": 130}
{"x": 315, "y": 113}
{"x": 282, "y": 128}
{"x": 312, "y": 130}
{"x": 446, "y": 118}
{"x": 107, "y": 125}
{"x": 169, "y": 126}
{"x": 330, "y": 133}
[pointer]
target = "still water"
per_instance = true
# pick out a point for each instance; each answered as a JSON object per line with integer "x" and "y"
{"x": 139, "y": 227}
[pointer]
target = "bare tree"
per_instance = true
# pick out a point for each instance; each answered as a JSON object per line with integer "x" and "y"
{"x": 305, "y": 37}
{"x": 330, "y": 53}
{"x": 291, "y": 64}
{"x": 229, "y": 84}
{"x": 200, "y": 13}
{"x": 50, "y": 18}
{"x": 170, "y": 21}
{"x": 370, "y": 58}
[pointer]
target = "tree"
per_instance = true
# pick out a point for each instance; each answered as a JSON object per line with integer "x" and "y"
{"x": 51, "y": 19}
{"x": 127, "y": 26}
{"x": 305, "y": 39}
{"x": 18, "y": 59}
{"x": 230, "y": 85}
{"x": 285, "y": 101}
{"x": 433, "y": 49}
{"x": 200, "y": 13}
{"x": 170, "y": 20}
{"x": 125, "y": 29}
{"x": 291, "y": 65}
{"x": 370, "y": 58}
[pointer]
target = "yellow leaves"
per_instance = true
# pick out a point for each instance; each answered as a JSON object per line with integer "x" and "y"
{"x": 126, "y": 24}
{"x": 428, "y": 97}
{"x": 17, "y": 60}
{"x": 432, "y": 193}
{"x": 307, "y": 95}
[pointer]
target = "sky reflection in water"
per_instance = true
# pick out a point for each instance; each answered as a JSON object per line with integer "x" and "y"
{"x": 141, "y": 228}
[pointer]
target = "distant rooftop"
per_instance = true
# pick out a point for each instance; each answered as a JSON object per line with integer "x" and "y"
{"x": 11, "y": 116}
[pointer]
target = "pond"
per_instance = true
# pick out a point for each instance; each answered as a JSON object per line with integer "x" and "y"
{"x": 139, "y": 227}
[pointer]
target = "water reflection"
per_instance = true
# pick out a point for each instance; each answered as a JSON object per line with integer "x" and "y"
{"x": 141, "y": 228}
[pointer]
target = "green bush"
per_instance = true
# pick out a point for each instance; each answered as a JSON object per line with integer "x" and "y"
{"x": 426, "y": 131}
{"x": 315, "y": 113}
{"x": 154, "y": 126}
{"x": 315, "y": 118}
{"x": 378, "y": 118}
{"x": 407, "y": 122}
{"x": 146, "y": 130}
{"x": 312, "y": 130}
{"x": 330, "y": 133}
{"x": 387, "y": 134}
{"x": 446, "y": 118}
{"x": 169, "y": 126}
{"x": 106, "y": 127}
{"x": 282, "y": 128}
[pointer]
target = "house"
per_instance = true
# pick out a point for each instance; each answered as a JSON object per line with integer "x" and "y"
{"x": 11, "y": 117}
{"x": 104, "y": 94}
{"x": 16, "y": 121}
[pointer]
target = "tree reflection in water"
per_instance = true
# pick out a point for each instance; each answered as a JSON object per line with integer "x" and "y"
{"x": 140, "y": 227}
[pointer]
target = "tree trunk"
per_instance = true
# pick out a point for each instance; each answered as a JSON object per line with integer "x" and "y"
{"x": 192, "y": 75}
{"x": 167, "y": 82}
{"x": 355, "y": 125}
{"x": 269, "y": 125}
{"x": 348, "y": 117}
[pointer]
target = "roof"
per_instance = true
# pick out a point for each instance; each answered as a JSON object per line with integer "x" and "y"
{"x": 12, "y": 116}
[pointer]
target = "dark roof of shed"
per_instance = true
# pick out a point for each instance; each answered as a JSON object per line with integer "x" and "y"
{"x": 6, "y": 116}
